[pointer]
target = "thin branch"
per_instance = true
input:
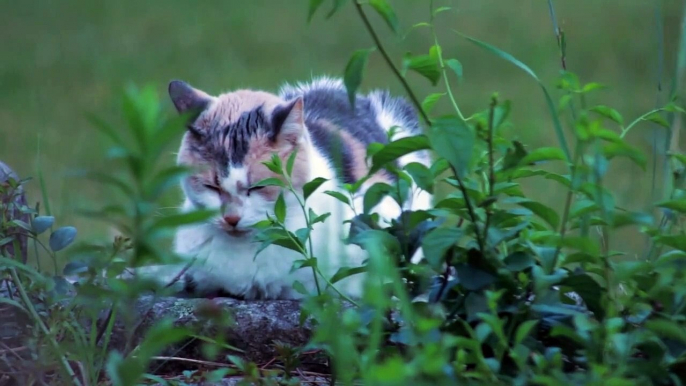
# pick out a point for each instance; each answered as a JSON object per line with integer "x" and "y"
{"x": 389, "y": 61}
{"x": 470, "y": 209}
{"x": 559, "y": 35}
{"x": 491, "y": 162}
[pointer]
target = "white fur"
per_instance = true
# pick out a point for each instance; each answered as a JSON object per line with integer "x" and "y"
{"x": 229, "y": 262}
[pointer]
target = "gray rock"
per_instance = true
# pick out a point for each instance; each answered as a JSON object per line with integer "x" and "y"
{"x": 254, "y": 328}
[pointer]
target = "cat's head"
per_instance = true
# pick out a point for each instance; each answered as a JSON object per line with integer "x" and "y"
{"x": 229, "y": 137}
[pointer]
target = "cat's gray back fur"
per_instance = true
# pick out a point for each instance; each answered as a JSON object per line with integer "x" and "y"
{"x": 327, "y": 104}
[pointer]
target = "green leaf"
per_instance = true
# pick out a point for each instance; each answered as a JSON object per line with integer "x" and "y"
{"x": 667, "y": 329}
{"x": 344, "y": 272}
{"x": 547, "y": 213}
{"x": 61, "y": 238}
{"x": 437, "y": 242}
{"x": 397, "y": 149}
{"x": 456, "y": 66}
{"x": 386, "y": 12}
{"x": 41, "y": 223}
{"x": 519, "y": 261}
{"x": 303, "y": 263}
{"x": 271, "y": 181}
{"x": 623, "y": 218}
{"x": 430, "y": 101}
{"x": 106, "y": 129}
{"x": 74, "y": 267}
{"x": 291, "y": 161}
{"x": 314, "y": 5}
{"x": 441, "y": 9}
{"x": 339, "y": 196}
{"x": 674, "y": 241}
{"x": 300, "y": 288}
{"x": 374, "y": 195}
{"x": 591, "y": 86}
{"x": 473, "y": 279}
{"x": 353, "y": 72}
{"x": 551, "y": 106}
{"x": 622, "y": 149}
{"x": 280, "y": 208}
{"x": 609, "y": 113}
{"x": 675, "y": 205}
{"x": 178, "y": 219}
{"x": 514, "y": 155}
{"x": 453, "y": 140}
{"x": 656, "y": 117}
{"x": 337, "y": 4}
{"x": 421, "y": 175}
{"x": 475, "y": 303}
{"x": 112, "y": 181}
{"x": 378, "y": 241}
{"x": 589, "y": 290}
{"x": 274, "y": 164}
{"x": 424, "y": 65}
{"x": 524, "y": 330}
{"x": 311, "y": 186}
{"x": 320, "y": 218}
{"x": 543, "y": 154}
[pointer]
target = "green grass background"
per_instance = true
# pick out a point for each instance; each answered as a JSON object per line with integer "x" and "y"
{"x": 61, "y": 59}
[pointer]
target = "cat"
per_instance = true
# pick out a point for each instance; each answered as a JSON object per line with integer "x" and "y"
{"x": 230, "y": 136}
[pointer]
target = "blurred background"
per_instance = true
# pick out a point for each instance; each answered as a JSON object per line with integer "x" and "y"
{"x": 62, "y": 59}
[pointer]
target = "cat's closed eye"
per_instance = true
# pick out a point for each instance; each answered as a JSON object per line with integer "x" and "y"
{"x": 255, "y": 188}
{"x": 215, "y": 186}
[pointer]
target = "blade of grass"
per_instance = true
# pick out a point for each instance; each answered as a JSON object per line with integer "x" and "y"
{"x": 551, "y": 106}
{"x": 41, "y": 181}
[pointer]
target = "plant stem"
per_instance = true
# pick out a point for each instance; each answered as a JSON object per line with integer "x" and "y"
{"x": 389, "y": 61}
{"x": 625, "y": 131}
{"x": 470, "y": 209}
{"x": 568, "y": 203}
{"x": 558, "y": 35}
{"x": 309, "y": 238}
{"x": 442, "y": 65}
{"x": 36, "y": 318}
{"x": 491, "y": 163}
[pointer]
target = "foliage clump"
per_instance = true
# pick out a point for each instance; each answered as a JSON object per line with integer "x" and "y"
{"x": 511, "y": 291}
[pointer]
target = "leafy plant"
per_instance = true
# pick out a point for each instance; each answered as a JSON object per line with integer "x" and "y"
{"x": 510, "y": 291}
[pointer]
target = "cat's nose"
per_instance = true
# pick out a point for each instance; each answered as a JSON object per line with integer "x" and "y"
{"x": 232, "y": 220}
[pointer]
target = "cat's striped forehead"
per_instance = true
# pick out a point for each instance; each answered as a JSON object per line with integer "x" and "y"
{"x": 233, "y": 124}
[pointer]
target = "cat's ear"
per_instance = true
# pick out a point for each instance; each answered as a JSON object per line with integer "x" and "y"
{"x": 186, "y": 98}
{"x": 288, "y": 122}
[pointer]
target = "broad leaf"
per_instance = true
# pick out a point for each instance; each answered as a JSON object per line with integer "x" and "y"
{"x": 397, "y": 149}
{"x": 61, "y": 238}
{"x": 430, "y": 101}
{"x": 386, "y": 11}
{"x": 456, "y": 66}
{"x": 354, "y": 71}
{"x": 280, "y": 208}
{"x": 425, "y": 65}
{"x": 339, "y": 196}
{"x": 453, "y": 140}
{"x": 41, "y": 223}
{"x": 437, "y": 242}
{"x": 311, "y": 186}
{"x": 314, "y": 5}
